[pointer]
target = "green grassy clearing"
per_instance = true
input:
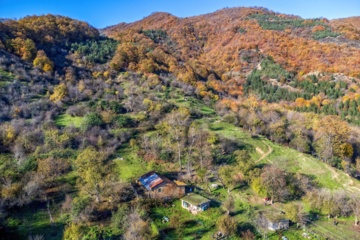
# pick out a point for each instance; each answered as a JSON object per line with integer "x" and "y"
{"x": 129, "y": 165}
{"x": 192, "y": 103}
{"x": 65, "y": 120}
{"x": 184, "y": 225}
{"x": 325, "y": 175}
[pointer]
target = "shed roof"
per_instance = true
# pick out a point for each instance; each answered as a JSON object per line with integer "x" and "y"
{"x": 180, "y": 184}
{"x": 152, "y": 179}
{"x": 195, "y": 199}
{"x": 274, "y": 216}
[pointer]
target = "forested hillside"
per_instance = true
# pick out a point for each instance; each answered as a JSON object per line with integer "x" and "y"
{"x": 303, "y": 65}
{"x": 243, "y": 104}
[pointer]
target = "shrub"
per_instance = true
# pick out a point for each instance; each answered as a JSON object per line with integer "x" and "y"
{"x": 91, "y": 120}
{"x": 123, "y": 121}
{"x": 227, "y": 225}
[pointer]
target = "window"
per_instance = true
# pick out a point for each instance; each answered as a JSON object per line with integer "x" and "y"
{"x": 159, "y": 190}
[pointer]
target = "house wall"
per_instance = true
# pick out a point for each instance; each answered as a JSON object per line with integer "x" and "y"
{"x": 202, "y": 206}
{"x": 188, "y": 204}
{"x": 168, "y": 190}
{"x": 205, "y": 205}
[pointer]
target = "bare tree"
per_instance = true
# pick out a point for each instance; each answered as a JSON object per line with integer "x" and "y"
{"x": 274, "y": 181}
{"x": 178, "y": 121}
{"x": 262, "y": 224}
{"x": 229, "y": 204}
{"x": 138, "y": 228}
{"x": 354, "y": 204}
{"x": 248, "y": 235}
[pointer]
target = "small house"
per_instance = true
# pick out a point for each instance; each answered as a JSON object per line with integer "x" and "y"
{"x": 195, "y": 203}
{"x": 160, "y": 187}
{"x": 275, "y": 220}
{"x": 278, "y": 224}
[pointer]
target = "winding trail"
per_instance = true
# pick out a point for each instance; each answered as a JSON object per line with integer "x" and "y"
{"x": 264, "y": 155}
{"x": 348, "y": 185}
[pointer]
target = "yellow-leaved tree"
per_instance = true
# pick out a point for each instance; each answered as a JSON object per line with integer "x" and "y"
{"x": 60, "y": 92}
{"x": 43, "y": 62}
{"x": 25, "y": 48}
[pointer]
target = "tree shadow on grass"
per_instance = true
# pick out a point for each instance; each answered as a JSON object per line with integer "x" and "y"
{"x": 167, "y": 233}
{"x": 215, "y": 204}
{"x": 34, "y": 220}
{"x": 190, "y": 223}
{"x": 243, "y": 227}
{"x": 198, "y": 233}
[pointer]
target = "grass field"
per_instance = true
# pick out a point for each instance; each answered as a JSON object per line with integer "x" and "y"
{"x": 65, "y": 120}
{"x": 184, "y": 225}
{"x": 129, "y": 165}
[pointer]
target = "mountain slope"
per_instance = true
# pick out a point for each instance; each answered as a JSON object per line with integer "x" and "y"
{"x": 216, "y": 40}
{"x": 244, "y": 103}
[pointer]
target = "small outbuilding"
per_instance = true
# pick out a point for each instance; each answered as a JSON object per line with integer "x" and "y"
{"x": 278, "y": 224}
{"x": 195, "y": 203}
{"x": 160, "y": 187}
{"x": 275, "y": 220}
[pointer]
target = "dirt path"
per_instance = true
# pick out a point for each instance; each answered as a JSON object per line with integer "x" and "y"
{"x": 348, "y": 185}
{"x": 264, "y": 155}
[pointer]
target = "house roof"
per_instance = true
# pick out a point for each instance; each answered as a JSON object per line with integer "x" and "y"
{"x": 195, "y": 199}
{"x": 274, "y": 216}
{"x": 152, "y": 179}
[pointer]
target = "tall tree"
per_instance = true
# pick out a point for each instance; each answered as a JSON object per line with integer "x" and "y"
{"x": 138, "y": 228}
{"x": 226, "y": 175}
{"x": 229, "y": 204}
{"x": 330, "y": 134}
{"x": 91, "y": 170}
{"x": 177, "y": 123}
{"x": 354, "y": 203}
{"x": 244, "y": 164}
{"x": 273, "y": 180}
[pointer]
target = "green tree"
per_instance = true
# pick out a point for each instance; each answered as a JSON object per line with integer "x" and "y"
{"x": 73, "y": 232}
{"x": 91, "y": 170}
{"x": 244, "y": 164}
{"x": 294, "y": 212}
{"x": 226, "y": 174}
